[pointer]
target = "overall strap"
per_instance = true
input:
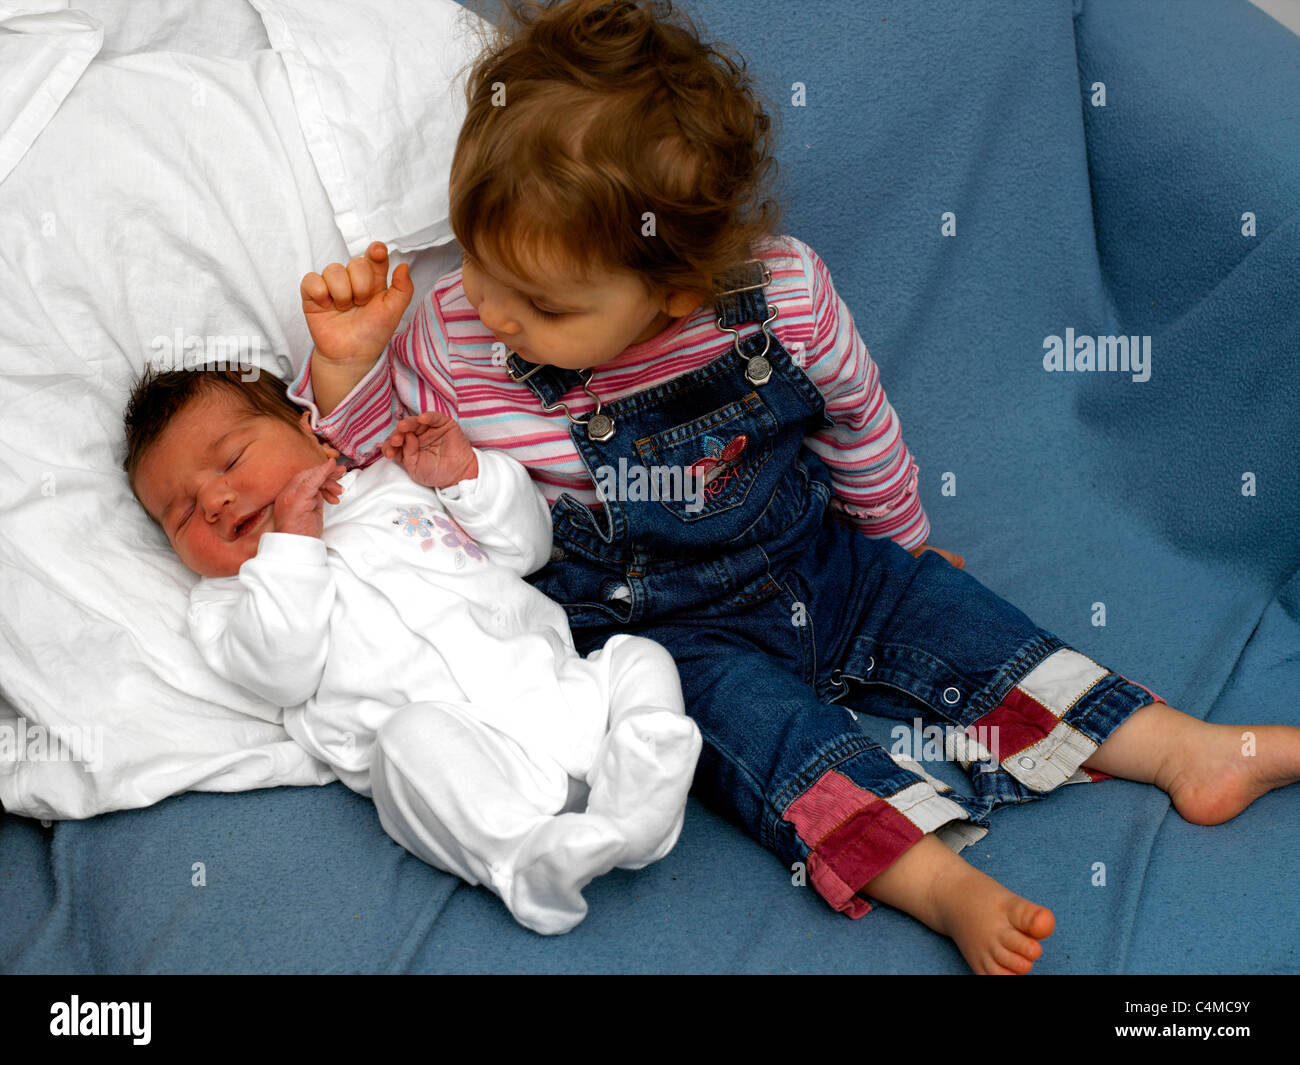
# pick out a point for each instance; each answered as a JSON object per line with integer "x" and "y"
{"x": 743, "y": 301}
{"x": 548, "y": 383}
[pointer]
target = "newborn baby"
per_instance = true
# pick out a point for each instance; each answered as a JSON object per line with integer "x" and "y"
{"x": 397, "y": 632}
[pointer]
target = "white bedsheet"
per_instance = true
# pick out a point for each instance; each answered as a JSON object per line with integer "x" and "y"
{"x": 170, "y": 196}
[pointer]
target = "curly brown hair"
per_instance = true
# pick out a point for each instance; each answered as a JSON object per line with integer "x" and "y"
{"x": 584, "y": 116}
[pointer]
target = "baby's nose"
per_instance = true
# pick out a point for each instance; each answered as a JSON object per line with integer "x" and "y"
{"x": 216, "y": 500}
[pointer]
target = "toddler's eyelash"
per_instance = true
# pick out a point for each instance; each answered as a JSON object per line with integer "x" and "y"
{"x": 467, "y": 259}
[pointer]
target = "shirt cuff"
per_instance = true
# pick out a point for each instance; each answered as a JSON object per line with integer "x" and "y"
{"x": 468, "y": 486}
{"x": 302, "y": 393}
{"x": 291, "y": 547}
{"x": 300, "y": 389}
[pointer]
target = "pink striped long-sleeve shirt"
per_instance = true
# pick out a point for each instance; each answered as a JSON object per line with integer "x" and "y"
{"x": 444, "y": 360}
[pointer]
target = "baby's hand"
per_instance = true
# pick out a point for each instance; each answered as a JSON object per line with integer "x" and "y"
{"x": 300, "y": 507}
{"x": 433, "y": 449}
{"x": 352, "y": 311}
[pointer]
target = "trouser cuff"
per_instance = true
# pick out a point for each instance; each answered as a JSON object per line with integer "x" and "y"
{"x": 854, "y": 835}
{"x": 1055, "y": 718}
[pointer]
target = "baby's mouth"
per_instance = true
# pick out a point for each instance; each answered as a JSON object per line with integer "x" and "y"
{"x": 249, "y": 523}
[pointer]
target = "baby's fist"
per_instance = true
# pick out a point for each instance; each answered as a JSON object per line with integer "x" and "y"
{"x": 433, "y": 450}
{"x": 299, "y": 509}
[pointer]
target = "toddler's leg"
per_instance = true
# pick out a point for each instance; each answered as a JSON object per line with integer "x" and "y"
{"x": 643, "y": 771}
{"x": 857, "y": 820}
{"x": 995, "y": 929}
{"x": 467, "y": 800}
{"x": 1211, "y": 772}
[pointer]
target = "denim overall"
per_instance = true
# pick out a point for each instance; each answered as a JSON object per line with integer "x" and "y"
{"x": 782, "y": 619}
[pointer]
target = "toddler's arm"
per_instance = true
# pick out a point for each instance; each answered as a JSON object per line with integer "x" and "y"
{"x": 361, "y": 375}
{"x": 351, "y": 313}
{"x": 871, "y": 467}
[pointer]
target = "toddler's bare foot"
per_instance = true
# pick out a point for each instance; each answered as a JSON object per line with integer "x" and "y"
{"x": 1210, "y": 772}
{"x": 996, "y": 930}
{"x": 1214, "y": 778}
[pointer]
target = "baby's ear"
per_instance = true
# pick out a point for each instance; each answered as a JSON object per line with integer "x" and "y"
{"x": 304, "y": 423}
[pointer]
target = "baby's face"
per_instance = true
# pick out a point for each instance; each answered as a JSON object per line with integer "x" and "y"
{"x": 563, "y": 320}
{"x": 211, "y": 479}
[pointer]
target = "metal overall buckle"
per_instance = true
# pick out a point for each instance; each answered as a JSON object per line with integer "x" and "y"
{"x": 600, "y": 427}
{"x": 758, "y": 369}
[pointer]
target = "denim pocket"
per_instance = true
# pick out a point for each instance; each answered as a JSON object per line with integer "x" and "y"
{"x": 709, "y": 465}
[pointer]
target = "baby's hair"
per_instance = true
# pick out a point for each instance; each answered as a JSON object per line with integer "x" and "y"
{"x": 589, "y": 122}
{"x": 159, "y": 396}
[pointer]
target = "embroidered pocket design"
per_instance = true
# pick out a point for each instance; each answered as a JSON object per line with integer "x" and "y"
{"x": 718, "y": 466}
{"x": 720, "y": 454}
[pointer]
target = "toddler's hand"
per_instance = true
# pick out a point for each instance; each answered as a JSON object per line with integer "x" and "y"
{"x": 352, "y": 311}
{"x": 299, "y": 509}
{"x": 433, "y": 449}
{"x": 956, "y": 560}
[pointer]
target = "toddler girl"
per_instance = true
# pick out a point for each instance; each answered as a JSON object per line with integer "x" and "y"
{"x": 625, "y": 314}
{"x": 395, "y": 630}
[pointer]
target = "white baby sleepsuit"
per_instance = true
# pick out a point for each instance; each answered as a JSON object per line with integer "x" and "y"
{"x": 410, "y": 654}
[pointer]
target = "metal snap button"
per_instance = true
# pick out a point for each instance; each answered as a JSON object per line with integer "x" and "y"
{"x": 758, "y": 370}
{"x": 951, "y": 695}
{"x": 871, "y": 664}
{"x": 600, "y": 427}
{"x": 1027, "y": 763}
{"x": 557, "y": 554}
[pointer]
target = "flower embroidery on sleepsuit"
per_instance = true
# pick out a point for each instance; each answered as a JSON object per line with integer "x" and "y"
{"x": 458, "y": 537}
{"x": 413, "y": 522}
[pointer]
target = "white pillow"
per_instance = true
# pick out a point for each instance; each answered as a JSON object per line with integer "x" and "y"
{"x": 212, "y": 28}
{"x": 380, "y": 92}
{"x": 169, "y": 193}
{"x": 43, "y": 50}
